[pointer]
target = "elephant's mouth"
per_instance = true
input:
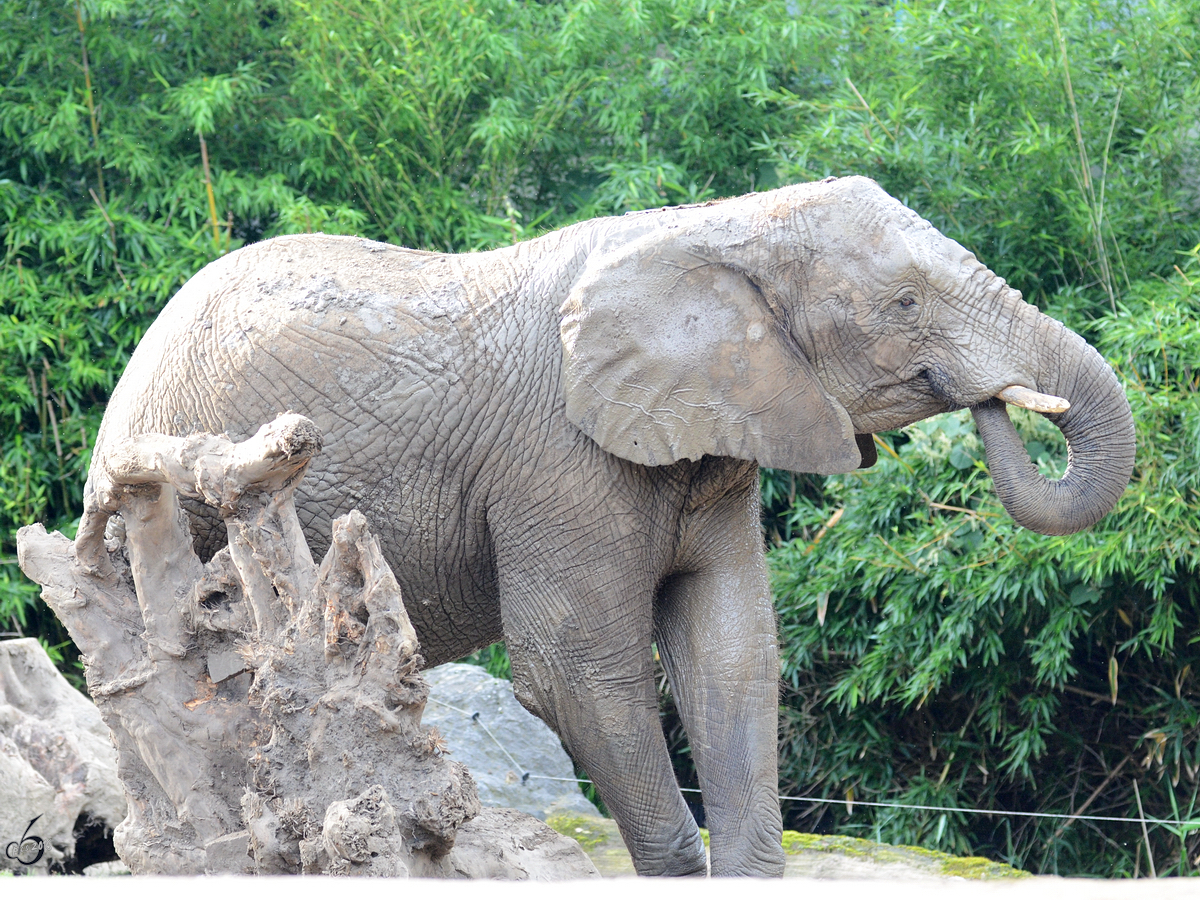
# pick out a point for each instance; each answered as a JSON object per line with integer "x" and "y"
{"x": 896, "y": 405}
{"x": 1014, "y": 395}
{"x": 932, "y": 391}
{"x": 941, "y": 386}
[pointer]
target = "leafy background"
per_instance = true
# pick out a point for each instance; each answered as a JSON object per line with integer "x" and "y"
{"x": 934, "y": 653}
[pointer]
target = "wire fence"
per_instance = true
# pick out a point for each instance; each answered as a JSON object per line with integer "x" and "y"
{"x": 850, "y": 804}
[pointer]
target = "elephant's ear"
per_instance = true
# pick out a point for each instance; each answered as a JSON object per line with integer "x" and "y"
{"x": 669, "y": 354}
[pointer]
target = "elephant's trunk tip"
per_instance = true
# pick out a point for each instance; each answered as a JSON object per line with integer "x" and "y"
{"x": 1029, "y": 399}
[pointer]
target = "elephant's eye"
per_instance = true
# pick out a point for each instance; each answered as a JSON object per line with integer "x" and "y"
{"x": 908, "y": 301}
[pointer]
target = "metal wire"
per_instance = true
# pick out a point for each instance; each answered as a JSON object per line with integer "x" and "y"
{"x": 474, "y": 717}
{"x": 917, "y": 806}
{"x": 986, "y": 812}
{"x": 958, "y": 809}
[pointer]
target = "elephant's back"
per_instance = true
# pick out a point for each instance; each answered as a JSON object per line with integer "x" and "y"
{"x": 372, "y": 342}
{"x": 299, "y": 322}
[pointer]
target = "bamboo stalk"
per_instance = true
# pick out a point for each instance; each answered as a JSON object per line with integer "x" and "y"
{"x": 1112, "y": 127}
{"x": 112, "y": 233}
{"x": 1145, "y": 833}
{"x": 91, "y": 103}
{"x": 871, "y": 112}
{"x": 1085, "y": 180}
{"x": 47, "y": 397}
{"x": 1096, "y": 793}
{"x": 212, "y": 200}
{"x": 41, "y": 410}
{"x": 886, "y": 447}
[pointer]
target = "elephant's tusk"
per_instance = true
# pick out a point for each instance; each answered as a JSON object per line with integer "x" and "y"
{"x": 1027, "y": 399}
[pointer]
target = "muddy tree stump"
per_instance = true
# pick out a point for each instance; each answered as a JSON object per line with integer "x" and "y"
{"x": 266, "y": 711}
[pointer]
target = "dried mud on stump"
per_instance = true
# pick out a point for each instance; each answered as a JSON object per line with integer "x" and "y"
{"x": 266, "y": 711}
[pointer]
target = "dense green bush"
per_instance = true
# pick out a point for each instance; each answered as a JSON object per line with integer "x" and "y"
{"x": 934, "y": 653}
{"x": 1064, "y": 165}
{"x": 104, "y": 217}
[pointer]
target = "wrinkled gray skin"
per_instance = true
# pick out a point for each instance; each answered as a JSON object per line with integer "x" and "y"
{"x": 557, "y": 444}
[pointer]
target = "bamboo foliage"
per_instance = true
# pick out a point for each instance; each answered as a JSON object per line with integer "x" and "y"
{"x": 933, "y": 653}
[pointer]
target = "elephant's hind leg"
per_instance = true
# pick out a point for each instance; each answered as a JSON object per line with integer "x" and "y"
{"x": 579, "y": 642}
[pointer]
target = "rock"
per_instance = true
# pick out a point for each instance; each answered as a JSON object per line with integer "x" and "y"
{"x": 600, "y": 839}
{"x": 496, "y": 844}
{"x": 25, "y": 795}
{"x": 815, "y": 856}
{"x": 107, "y": 870}
{"x": 509, "y": 844}
{"x": 837, "y": 858}
{"x": 57, "y": 765}
{"x": 516, "y": 760}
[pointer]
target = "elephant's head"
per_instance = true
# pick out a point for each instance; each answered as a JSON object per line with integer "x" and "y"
{"x": 779, "y": 326}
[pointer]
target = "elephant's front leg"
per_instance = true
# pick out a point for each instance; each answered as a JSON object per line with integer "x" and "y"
{"x": 715, "y": 627}
{"x": 577, "y": 621}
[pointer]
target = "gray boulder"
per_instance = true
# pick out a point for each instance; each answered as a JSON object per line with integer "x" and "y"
{"x": 508, "y": 844}
{"x": 516, "y": 760}
{"x": 57, "y": 766}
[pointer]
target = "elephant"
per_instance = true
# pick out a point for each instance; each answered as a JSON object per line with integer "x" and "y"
{"x": 558, "y": 444}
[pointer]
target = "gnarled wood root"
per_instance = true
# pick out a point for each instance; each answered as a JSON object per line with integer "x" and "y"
{"x": 266, "y": 712}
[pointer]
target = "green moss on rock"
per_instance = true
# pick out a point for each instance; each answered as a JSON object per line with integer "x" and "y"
{"x": 975, "y": 868}
{"x": 810, "y": 854}
{"x": 582, "y": 828}
{"x": 600, "y": 839}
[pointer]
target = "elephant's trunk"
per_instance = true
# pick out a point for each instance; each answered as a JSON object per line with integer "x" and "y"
{"x": 1099, "y": 432}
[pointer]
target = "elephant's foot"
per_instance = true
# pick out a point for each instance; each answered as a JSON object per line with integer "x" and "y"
{"x": 682, "y": 856}
{"x": 759, "y": 857}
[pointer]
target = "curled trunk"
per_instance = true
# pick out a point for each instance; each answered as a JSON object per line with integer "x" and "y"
{"x": 1099, "y": 432}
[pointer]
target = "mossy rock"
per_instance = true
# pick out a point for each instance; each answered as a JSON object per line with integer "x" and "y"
{"x": 808, "y": 855}
{"x": 836, "y": 857}
{"x": 600, "y": 840}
